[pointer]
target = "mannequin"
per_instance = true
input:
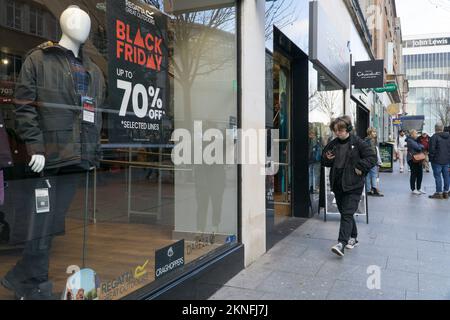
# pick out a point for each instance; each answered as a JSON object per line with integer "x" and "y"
{"x": 57, "y": 100}
{"x": 76, "y": 26}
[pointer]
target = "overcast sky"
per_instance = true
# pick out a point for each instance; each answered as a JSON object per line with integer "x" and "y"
{"x": 424, "y": 16}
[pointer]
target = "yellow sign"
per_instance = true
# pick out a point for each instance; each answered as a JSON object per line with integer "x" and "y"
{"x": 393, "y": 109}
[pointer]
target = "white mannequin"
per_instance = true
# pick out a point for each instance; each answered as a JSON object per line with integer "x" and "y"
{"x": 75, "y": 26}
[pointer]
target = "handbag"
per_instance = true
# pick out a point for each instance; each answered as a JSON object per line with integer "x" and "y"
{"x": 418, "y": 157}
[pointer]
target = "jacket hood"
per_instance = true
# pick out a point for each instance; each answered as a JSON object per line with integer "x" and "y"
{"x": 443, "y": 135}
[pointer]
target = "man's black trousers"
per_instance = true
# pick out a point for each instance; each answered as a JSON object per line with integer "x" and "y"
{"x": 347, "y": 204}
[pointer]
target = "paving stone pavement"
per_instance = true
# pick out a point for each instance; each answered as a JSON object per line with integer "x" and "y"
{"x": 407, "y": 242}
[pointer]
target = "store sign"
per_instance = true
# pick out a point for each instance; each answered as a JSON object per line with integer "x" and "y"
{"x": 138, "y": 71}
{"x": 368, "y": 74}
{"x": 169, "y": 259}
{"x": 433, "y": 42}
{"x": 387, "y": 157}
{"x": 328, "y": 37}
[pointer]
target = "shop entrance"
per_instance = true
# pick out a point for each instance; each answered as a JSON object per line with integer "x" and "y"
{"x": 282, "y": 99}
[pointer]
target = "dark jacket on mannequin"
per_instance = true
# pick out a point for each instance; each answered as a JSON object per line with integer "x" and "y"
{"x": 48, "y": 109}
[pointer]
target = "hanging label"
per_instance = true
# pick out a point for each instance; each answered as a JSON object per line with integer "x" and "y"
{"x": 88, "y": 109}
{"x": 42, "y": 201}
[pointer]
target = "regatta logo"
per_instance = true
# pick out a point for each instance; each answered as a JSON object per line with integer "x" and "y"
{"x": 134, "y": 47}
{"x": 140, "y": 12}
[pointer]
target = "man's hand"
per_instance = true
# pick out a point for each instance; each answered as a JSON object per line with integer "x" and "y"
{"x": 329, "y": 155}
{"x": 358, "y": 172}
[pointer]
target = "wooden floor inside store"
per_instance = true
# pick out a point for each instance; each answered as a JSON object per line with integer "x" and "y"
{"x": 112, "y": 249}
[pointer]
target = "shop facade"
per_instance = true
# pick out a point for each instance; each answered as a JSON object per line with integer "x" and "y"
{"x": 109, "y": 207}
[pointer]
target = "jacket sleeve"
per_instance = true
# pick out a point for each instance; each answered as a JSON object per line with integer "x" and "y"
{"x": 27, "y": 117}
{"x": 325, "y": 162}
{"x": 414, "y": 146}
{"x": 432, "y": 149}
{"x": 368, "y": 157}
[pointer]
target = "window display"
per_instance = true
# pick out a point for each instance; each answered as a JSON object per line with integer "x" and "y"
{"x": 92, "y": 205}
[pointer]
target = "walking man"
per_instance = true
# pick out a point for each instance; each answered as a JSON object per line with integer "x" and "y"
{"x": 350, "y": 159}
{"x": 440, "y": 160}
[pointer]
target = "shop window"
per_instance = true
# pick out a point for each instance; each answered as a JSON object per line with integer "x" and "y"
{"x": 111, "y": 206}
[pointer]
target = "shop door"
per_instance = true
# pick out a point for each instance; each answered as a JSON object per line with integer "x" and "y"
{"x": 282, "y": 122}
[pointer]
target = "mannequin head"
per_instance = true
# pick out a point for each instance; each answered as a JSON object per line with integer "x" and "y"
{"x": 76, "y": 26}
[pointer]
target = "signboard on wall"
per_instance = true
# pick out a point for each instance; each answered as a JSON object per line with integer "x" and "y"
{"x": 329, "y": 37}
{"x": 368, "y": 74}
{"x": 137, "y": 72}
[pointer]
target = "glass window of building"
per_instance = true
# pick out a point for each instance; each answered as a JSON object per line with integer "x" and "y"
{"x": 128, "y": 132}
{"x": 325, "y": 104}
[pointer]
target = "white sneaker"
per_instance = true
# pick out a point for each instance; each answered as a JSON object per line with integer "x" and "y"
{"x": 416, "y": 192}
{"x": 352, "y": 243}
{"x": 422, "y": 192}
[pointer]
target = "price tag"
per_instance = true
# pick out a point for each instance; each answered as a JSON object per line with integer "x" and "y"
{"x": 42, "y": 201}
{"x": 88, "y": 110}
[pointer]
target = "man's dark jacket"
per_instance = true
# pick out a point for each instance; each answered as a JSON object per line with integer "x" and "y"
{"x": 440, "y": 148}
{"x": 48, "y": 110}
{"x": 360, "y": 156}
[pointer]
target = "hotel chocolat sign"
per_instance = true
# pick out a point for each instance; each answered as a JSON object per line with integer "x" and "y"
{"x": 368, "y": 74}
{"x": 137, "y": 72}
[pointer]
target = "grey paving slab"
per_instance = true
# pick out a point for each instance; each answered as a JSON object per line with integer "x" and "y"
{"x": 434, "y": 285}
{"x": 346, "y": 290}
{"x": 249, "y": 278}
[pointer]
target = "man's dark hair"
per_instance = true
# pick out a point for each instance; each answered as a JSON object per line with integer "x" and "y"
{"x": 344, "y": 122}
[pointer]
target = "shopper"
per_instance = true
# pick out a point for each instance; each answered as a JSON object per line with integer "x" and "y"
{"x": 424, "y": 140}
{"x": 440, "y": 160}
{"x": 350, "y": 159}
{"x": 414, "y": 148}
{"x": 371, "y": 179}
{"x": 402, "y": 149}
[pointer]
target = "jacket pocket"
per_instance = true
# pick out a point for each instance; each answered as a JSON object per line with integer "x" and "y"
{"x": 59, "y": 138}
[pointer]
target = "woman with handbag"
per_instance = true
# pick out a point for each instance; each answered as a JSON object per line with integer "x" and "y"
{"x": 415, "y": 161}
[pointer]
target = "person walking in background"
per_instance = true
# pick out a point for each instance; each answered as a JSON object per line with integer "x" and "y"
{"x": 350, "y": 159}
{"x": 416, "y": 167}
{"x": 424, "y": 140}
{"x": 402, "y": 149}
{"x": 440, "y": 160}
{"x": 371, "y": 178}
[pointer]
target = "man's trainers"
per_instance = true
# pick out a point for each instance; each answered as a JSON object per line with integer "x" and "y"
{"x": 352, "y": 243}
{"x": 437, "y": 196}
{"x": 416, "y": 192}
{"x": 422, "y": 192}
{"x": 338, "y": 249}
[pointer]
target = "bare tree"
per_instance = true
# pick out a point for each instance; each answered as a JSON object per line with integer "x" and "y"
{"x": 441, "y": 104}
{"x": 197, "y": 35}
{"x": 326, "y": 102}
